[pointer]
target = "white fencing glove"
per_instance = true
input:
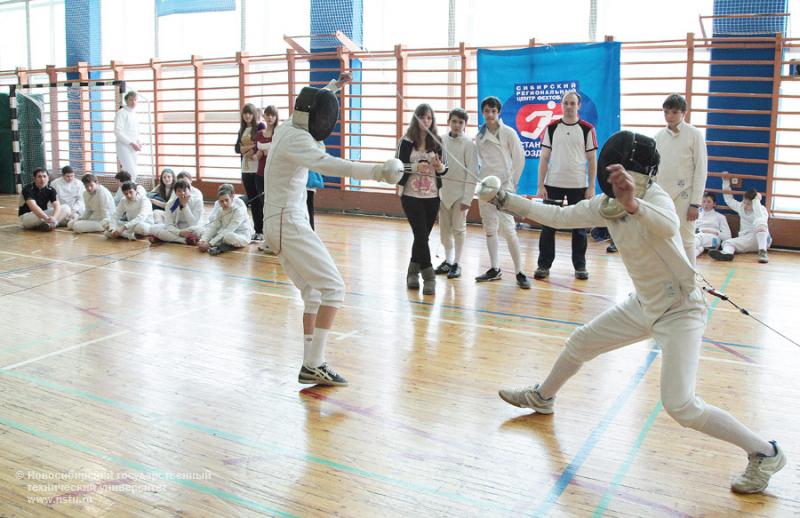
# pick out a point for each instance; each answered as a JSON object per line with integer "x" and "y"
{"x": 390, "y": 171}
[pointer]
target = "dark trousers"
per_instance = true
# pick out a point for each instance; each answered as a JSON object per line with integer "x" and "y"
{"x": 250, "y": 183}
{"x": 310, "y": 207}
{"x": 547, "y": 239}
{"x": 421, "y": 214}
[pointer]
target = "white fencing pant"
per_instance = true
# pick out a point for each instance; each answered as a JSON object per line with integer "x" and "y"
{"x": 704, "y": 241}
{"x": 686, "y": 227}
{"x": 143, "y": 228}
{"x": 128, "y": 159}
{"x": 236, "y": 240}
{"x": 30, "y": 221}
{"x": 679, "y": 332}
{"x": 494, "y": 220}
{"x": 452, "y": 230}
{"x": 169, "y": 234}
{"x": 305, "y": 259}
{"x": 748, "y": 242}
{"x": 80, "y": 226}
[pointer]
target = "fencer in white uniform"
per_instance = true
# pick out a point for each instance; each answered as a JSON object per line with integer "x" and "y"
{"x": 126, "y": 130}
{"x": 229, "y": 225}
{"x": 99, "y": 206}
{"x": 711, "y": 228}
{"x": 458, "y": 189}
{"x": 183, "y": 216}
{"x": 296, "y": 148}
{"x": 667, "y": 304}
{"x": 70, "y": 192}
{"x": 753, "y": 226}
{"x": 133, "y": 215}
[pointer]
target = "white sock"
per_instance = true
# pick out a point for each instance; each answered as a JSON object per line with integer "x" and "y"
{"x": 762, "y": 237}
{"x": 306, "y": 348}
{"x": 316, "y": 353}
{"x": 450, "y": 255}
{"x": 491, "y": 243}
{"x": 564, "y": 368}
{"x": 459, "y": 240}
{"x": 513, "y": 249}
{"x": 723, "y": 426}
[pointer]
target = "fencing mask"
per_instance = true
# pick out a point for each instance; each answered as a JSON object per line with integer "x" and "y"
{"x": 637, "y": 154}
{"x": 316, "y": 110}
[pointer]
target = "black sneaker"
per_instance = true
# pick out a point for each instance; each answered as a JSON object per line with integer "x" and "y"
{"x": 322, "y": 375}
{"x": 492, "y": 274}
{"x": 612, "y": 248}
{"x": 581, "y": 274}
{"x": 523, "y": 281}
{"x": 443, "y": 268}
{"x": 455, "y": 271}
{"x": 719, "y": 255}
{"x": 541, "y": 273}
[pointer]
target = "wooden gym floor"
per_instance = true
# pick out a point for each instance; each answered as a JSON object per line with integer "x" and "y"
{"x": 158, "y": 381}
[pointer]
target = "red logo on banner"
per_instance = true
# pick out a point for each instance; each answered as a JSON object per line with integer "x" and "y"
{"x": 532, "y": 119}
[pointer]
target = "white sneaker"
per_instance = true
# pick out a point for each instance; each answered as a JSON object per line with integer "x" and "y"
{"x": 760, "y": 468}
{"x": 528, "y": 397}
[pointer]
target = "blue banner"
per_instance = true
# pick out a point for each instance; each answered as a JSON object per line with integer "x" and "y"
{"x": 165, "y": 7}
{"x": 530, "y": 82}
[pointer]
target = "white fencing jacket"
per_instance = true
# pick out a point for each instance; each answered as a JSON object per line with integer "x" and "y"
{"x": 70, "y": 194}
{"x": 221, "y": 222}
{"x": 99, "y": 204}
{"x": 461, "y": 157}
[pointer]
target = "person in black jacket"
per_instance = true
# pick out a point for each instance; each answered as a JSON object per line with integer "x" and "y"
{"x": 420, "y": 151}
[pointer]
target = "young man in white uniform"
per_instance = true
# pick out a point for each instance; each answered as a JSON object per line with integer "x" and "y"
{"x": 458, "y": 188}
{"x": 70, "y": 192}
{"x": 126, "y": 129}
{"x": 667, "y": 304}
{"x": 711, "y": 228}
{"x": 684, "y": 167}
{"x": 500, "y": 154}
{"x": 99, "y": 204}
{"x": 133, "y": 215}
{"x": 296, "y": 148}
{"x": 229, "y": 225}
{"x": 753, "y": 228}
{"x": 183, "y": 217}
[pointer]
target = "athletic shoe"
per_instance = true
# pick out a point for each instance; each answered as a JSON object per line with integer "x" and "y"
{"x": 154, "y": 240}
{"x": 443, "y": 268}
{"x": 759, "y": 469}
{"x": 191, "y": 240}
{"x": 763, "y": 258}
{"x": 541, "y": 273}
{"x": 611, "y": 249}
{"x": 523, "y": 281}
{"x": 258, "y": 237}
{"x": 528, "y": 397}
{"x": 492, "y": 274}
{"x": 44, "y": 227}
{"x": 455, "y": 271}
{"x": 581, "y": 274}
{"x": 322, "y": 375}
{"x": 214, "y": 250}
{"x": 719, "y": 255}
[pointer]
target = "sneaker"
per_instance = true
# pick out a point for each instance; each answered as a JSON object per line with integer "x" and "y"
{"x": 154, "y": 240}
{"x": 719, "y": 255}
{"x": 455, "y": 271}
{"x": 492, "y": 274}
{"x": 523, "y": 281}
{"x": 528, "y": 397}
{"x": 443, "y": 268}
{"x": 581, "y": 274}
{"x": 214, "y": 250}
{"x": 322, "y": 375}
{"x": 191, "y": 240}
{"x": 611, "y": 249}
{"x": 759, "y": 469}
{"x": 258, "y": 237}
{"x": 763, "y": 258}
{"x": 541, "y": 273}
